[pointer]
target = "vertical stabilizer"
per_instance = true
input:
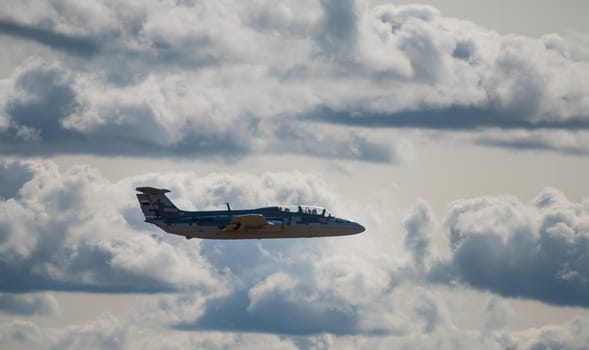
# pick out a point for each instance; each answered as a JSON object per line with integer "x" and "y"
{"x": 155, "y": 205}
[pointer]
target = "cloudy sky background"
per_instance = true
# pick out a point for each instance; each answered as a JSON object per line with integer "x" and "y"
{"x": 457, "y": 134}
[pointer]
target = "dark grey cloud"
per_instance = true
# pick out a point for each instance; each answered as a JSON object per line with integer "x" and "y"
{"x": 12, "y": 176}
{"x": 532, "y": 251}
{"x": 75, "y": 45}
{"x": 307, "y": 138}
{"x": 338, "y": 28}
{"x": 418, "y": 225}
{"x": 28, "y": 304}
{"x": 122, "y": 63}
{"x": 275, "y": 315}
{"x": 451, "y": 118}
{"x": 93, "y": 260}
{"x": 552, "y": 142}
{"x": 45, "y": 96}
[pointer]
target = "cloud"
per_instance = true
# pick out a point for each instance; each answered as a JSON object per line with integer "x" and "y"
{"x": 264, "y": 299}
{"x": 569, "y": 336}
{"x": 272, "y": 314}
{"x": 49, "y": 116}
{"x": 57, "y": 234}
{"x": 29, "y": 304}
{"x": 44, "y": 97}
{"x": 573, "y": 142}
{"x": 425, "y": 307}
{"x": 71, "y": 44}
{"x": 307, "y": 287}
{"x": 418, "y": 224}
{"x": 453, "y": 118}
{"x": 496, "y": 315}
{"x": 22, "y": 334}
{"x": 112, "y": 333}
{"x": 514, "y": 249}
{"x": 207, "y": 87}
{"x": 74, "y": 230}
{"x": 12, "y": 176}
{"x": 295, "y": 287}
{"x": 338, "y": 28}
{"x": 358, "y": 291}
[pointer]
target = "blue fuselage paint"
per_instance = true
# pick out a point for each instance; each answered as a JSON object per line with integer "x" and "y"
{"x": 213, "y": 224}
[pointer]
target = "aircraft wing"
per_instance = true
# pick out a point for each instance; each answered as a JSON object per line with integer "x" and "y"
{"x": 250, "y": 221}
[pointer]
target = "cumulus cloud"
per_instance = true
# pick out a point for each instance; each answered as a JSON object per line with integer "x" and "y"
{"x": 74, "y": 230}
{"x": 206, "y": 85}
{"x": 307, "y": 287}
{"x": 300, "y": 288}
{"x": 514, "y": 249}
{"x": 56, "y": 233}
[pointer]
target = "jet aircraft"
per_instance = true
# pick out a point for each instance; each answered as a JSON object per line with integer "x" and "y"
{"x": 267, "y": 222}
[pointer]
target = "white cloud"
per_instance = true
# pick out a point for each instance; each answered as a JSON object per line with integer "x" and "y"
{"x": 76, "y": 242}
{"x": 152, "y": 78}
{"x": 534, "y": 250}
{"x": 75, "y": 230}
{"x": 69, "y": 231}
{"x": 22, "y": 334}
{"x": 351, "y": 288}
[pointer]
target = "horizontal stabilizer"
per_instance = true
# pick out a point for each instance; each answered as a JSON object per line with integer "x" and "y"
{"x": 152, "y": 190}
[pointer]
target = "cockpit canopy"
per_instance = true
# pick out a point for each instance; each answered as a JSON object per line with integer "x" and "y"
{"x": 306, "y": 209}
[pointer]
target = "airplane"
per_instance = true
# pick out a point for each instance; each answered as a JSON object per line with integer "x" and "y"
{"x": 266, "y": 222}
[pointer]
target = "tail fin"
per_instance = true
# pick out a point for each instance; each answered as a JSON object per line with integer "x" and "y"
{"x": 155, "y": 205}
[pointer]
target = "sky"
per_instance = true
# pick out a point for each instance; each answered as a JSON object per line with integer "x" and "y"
{"x": 457, "y": 134}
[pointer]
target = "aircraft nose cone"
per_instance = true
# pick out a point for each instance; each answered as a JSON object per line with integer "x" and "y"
{"x": 358, "y": 228}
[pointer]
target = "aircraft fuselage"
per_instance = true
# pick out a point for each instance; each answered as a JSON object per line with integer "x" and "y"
{"x": 266, "y": 222}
